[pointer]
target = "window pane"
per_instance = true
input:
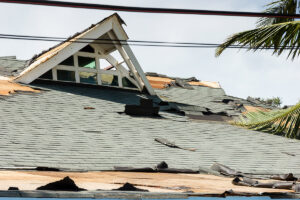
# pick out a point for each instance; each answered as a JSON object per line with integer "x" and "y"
{"x": 63, "y": 75}
{"x": 104, "y": 64}
{"x": 87, "y": 77}
{"x": 47, "y": 75}
{"x": 69, "y": 61}
{"x": 109, "y": 79}
{"x": 87, "y": 62}
{"x": 127, "y": 83}
{"x": 88, "y": 49}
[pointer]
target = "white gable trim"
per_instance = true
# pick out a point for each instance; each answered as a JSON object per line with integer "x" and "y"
{"x": 131, "y": 58}
{"x": 38, "y": 68}
{"x": 114, "y": 29}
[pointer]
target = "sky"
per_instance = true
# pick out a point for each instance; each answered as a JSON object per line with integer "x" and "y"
{"x": 241, "y": 73}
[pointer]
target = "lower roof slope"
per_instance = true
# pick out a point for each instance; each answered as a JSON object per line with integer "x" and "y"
{"x": 52, "y": 129}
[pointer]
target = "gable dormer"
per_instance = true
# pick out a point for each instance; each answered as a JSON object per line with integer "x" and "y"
{"x": 99, "y": 55}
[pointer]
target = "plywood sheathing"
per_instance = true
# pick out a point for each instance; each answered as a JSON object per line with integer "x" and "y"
{"x": 254, "y": 109}
{"x": 211, "y": 84}
{"x": 161, "y": 82}
{"x": 9, "y": 87}
{"x": 154, "y": 182}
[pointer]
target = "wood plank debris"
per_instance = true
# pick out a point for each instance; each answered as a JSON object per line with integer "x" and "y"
{"x": 171, "y": 144}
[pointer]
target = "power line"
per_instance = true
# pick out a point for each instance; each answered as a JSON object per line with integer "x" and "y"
{"x": 104, "y": 42}
{"x": 88, "y": 40}
{"x": 128, "y": 42}
{"x": 147, "y": 9}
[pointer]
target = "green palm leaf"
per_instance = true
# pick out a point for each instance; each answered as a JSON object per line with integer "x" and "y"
{"x": 279, "y": 37}
{"x": 280, "y": 122}
{"x": 287, "y": 7}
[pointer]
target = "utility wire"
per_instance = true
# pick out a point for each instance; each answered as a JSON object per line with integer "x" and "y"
{"x": 88, "y": 40}
{"x": 147, "y": 9}
{"x": 123, "y": 42}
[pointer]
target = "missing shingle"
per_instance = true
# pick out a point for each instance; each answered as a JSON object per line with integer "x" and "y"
{"x": 145, "y": 108}
{"x": 222, "y": 113}
{"x": 227, "y": 100}
{"x": 171, "y": 144}
{"x": 47, "y": 169}
{"x": 158, "y": 116}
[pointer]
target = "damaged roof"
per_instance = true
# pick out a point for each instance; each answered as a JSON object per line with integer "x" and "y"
{"x": 82, "y": 128}
{"x": 76, "y": 126}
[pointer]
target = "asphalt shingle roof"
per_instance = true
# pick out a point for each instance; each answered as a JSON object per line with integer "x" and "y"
{"x": 10, "y": 65}
{"x": 53, "y": 129}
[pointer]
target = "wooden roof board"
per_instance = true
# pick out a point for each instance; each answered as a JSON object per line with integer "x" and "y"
{"x": 154, "y": 182}
{"x": 7, "y": 87}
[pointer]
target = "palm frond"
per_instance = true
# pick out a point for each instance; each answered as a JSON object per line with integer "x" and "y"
{"x": 279, "y": 37}
{"x": 279, "y": 122}
{"x": 287, "y": 7}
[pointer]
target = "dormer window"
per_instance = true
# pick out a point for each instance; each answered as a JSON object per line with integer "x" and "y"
{"x": 88, "y": 49}
{"x": 110, "y": 63}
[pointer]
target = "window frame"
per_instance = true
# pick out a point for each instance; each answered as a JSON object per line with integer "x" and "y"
{"x": 97, "y": 56}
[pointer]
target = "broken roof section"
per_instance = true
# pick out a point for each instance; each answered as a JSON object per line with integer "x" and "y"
{"x": 79, "y": 59}
{"x": 161, "y": 81}
{"x": 7, "y": 87}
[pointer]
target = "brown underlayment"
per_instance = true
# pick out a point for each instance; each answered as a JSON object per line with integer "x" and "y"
{"x": 161, "y": 82}
{"x": 154, "y": 182}
{"x": 9, "y": 87}
{"x": 254, "y": 109}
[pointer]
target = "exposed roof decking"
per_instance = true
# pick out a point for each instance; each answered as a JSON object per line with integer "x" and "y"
{"x": 53, "y": 129}
{"x": 106, "y": 181}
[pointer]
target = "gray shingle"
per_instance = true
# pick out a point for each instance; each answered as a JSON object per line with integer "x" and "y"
{"x": 53, "y": 129}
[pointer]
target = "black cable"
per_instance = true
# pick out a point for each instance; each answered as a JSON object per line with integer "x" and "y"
{"x": 203, "y": 45}
{"x": 148, "y": 9}
{"x": 111, "y": 40}
{"x": 149, "y": 45}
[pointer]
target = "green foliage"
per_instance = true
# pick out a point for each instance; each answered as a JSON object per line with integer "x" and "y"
{"x": 275, "y": 101}
{"x": 279, "y": 37}
{"x": 284, "y": 122}
{"x": 278, "y": 34}
{"x": 287, "y": 7}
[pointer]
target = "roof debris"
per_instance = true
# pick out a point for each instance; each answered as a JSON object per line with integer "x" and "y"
{"x": 130, "y": 187}
{"x": 160, "y": 81}
{"x": 288, "y": 185}
{"x": 224, "y": 170}
{"x": 171, "y": 144}
{"x": 195, "y": 184}
{"x": 161, "y": 167}
{"x": 66, "y": 184}
{"x": 284, "y": 177}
